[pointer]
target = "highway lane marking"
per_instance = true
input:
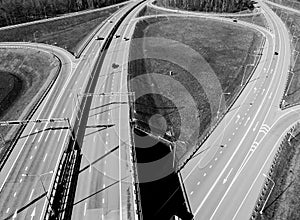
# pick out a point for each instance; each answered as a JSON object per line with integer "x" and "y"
{"x": 226, "y": 178}
{"x": 47, "y": 136}
{"x": 84, "y": 212}
{"x": 231, "y": 159}
{"x": 229, "y": 139}
{"x": 260, "y": 171}
{"x": 31, "y": 157}
{"x": 227, "y": 164}
{"x": 263, "y": 91}
{"x": 216, "y": 159}
{"x": 21, "y": 180}
{"x": 198, "y": 183}
{"x": 7, "y": 210}
{"x": 238, "y": 117}
{"x": 64, "y": 110}
{"x": 255, "y": 126}
{"x": 210, "y": 166}
{"x": 15, "y": 194}
{"x": 233, "y": 133}
{"x": 204, "y": 174}
{"x": 31, "y": 194}
{"x": 270, "y": 96}
{"x": 191, "y": 193}
{"x": 220, "y": 152}
{"x": 26, "y": 168}
{"x": 35, "y": 147}
{"x": 247, "y": 121}
{"x": 42, "y": 108}
{"x": 45, "y": 157}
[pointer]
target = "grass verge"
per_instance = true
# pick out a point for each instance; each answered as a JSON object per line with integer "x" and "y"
{"x": 195, "y": 61}
{"x": 26, "y": 72}
{"x": 292, "y": 4}
{"x": 67, "y": 33}
{"x": 284, "y": 200}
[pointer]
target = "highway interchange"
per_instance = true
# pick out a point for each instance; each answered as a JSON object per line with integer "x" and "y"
{"x": 222, "y": 183}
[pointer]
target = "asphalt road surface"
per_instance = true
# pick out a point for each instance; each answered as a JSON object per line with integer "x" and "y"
{"x": 224, "y": 182}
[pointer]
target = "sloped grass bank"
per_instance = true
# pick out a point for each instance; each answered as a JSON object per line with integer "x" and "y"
{"x": 195, "y": 61}
{"x": 67, "y": 33}
{"x": 22, "y": 73}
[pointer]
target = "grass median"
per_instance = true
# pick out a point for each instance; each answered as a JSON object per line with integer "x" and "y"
{"x": 186, "y": 66}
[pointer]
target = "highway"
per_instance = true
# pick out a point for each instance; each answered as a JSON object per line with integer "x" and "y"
{"x": 28, "y": 175}
{"x": 221, "y": 183}
{"x": 224, "y": 182}
{"x": 105, "y": 183}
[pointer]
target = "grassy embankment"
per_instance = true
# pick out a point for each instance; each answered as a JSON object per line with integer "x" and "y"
{"x": 67, "y": 33}
{"x": 292, "y": 4}
{"x": 284, "y": 200}
{"x": 22, "y": 74}
{"x": 258, "y": 19}
{"x": 217, "y": 48}
{"x": 292, "y": 91}
{"x": 208, "y": 6}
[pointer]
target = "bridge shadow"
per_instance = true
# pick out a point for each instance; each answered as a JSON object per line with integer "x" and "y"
{"x": 102, "y": 127}
{"x": 27, "y": 205}
{"x": 108, "y": 104}
{"x": 100, "y": 158}
{"x": 47, "y": 129}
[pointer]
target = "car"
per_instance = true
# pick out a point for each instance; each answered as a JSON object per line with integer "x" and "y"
{"x": 222, "y": 146}
{"x": 117, "y": 35}
{"x": 99, "y": 38}
{"x": 234, "y": 20}
{"x": 276, "y": 53}
{"x": 126, "y": 38}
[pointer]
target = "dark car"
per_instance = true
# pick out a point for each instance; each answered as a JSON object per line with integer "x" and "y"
{"x": 99, "y": 38}
{"x": 234, "y": 20}
{"x": 276, "y": 53}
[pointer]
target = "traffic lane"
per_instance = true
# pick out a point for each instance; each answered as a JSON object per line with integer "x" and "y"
{"x": 243, "y": 194}
{"x": 255, "y": 127}
{"x": 61, "y": 81}
{"x": 19, "y": 185}
{"x": 233, "y": 125}
{"x": 271, "y": 141}
{"x": 211, "y": 145}
{"x": 90, "y": 147}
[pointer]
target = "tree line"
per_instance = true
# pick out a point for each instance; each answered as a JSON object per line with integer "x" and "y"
{"x": 20, "y": 11}
{"x": 209, "y": 5}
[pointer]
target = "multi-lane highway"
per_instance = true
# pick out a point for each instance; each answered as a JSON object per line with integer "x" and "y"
{"x": 28, "y": 175}
{"x": 224, "y": 182}
{"x": 105, "y": 182}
